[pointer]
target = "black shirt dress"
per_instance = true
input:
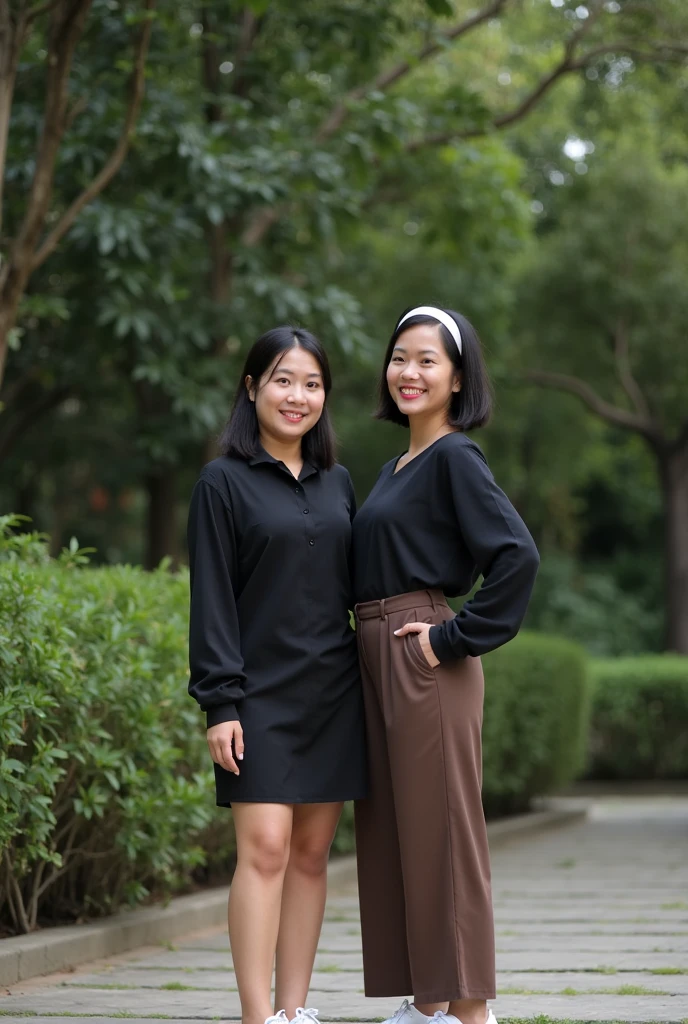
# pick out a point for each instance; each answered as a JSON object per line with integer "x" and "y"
{"x": 440, "y": 522}
{"x": 270, "y": 640}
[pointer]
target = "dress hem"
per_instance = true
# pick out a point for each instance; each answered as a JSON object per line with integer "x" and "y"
{"x": 290, "y": 800}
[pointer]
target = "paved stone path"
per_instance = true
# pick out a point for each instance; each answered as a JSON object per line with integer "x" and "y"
{"x": 592, "y": 925}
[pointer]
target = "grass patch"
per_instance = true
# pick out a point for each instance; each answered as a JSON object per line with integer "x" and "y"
{"x": 636, "y": 990}
{"x": 566, "y": 864}
{"x": 669, "y": 970}
{"x": 105, "y": 986}
{"x": 329, "y": 969}
{"x": 517, "y": 990}
{"x": 677, "y": 905}
{"x": 166, "y": 944}
{"x": 176, "y": 986}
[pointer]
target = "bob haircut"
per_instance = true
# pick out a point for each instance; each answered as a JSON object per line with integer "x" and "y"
{"x": 469, "y": 408}
{"x": 241, "y": 435}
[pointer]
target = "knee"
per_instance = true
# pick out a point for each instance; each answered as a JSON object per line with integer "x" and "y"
{"x": 267, "y": 853}
{"x": 309, "y": 856}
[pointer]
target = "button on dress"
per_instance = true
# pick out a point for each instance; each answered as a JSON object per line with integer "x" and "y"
{"x": 270, "y": 640}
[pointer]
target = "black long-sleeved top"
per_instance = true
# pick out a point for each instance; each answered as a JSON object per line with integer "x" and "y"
{"x": 442, "y": 521}
{"x": 270, "y": 642}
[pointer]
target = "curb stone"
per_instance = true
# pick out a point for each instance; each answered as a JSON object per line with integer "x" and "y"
{"x": 58, "y": 949}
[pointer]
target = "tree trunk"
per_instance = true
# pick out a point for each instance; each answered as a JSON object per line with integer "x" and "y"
{"x": 673, "y": 472}
{"x": 162, "y": 537}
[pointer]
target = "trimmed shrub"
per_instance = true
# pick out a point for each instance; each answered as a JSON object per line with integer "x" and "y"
{"x": 106, "y": 787}
{"x": 640, "y": 718}
{"x": 536, "y": 720}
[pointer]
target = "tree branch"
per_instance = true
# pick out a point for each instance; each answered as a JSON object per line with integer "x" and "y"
{"x": 338, "y": 115}
{"x": 605, "y": 410}
{"x": 666, "y": 52}
{"x": 263, "y": 219}
{"x": 40, "y": 9}
{"x": 623, "y": 369}
{"x": 113, "y": 164}
{"x": 12, "y": 38}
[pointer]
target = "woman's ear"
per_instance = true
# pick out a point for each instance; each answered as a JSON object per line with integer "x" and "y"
{"x": 458, "y": 381}
{"x": 251, "y": 388}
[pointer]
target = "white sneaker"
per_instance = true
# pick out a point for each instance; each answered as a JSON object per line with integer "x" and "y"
{"x": 408, "y": 1014}
{"x": 278, "y": 1018}
{"x": 305, "y": 1016}
{"x": 449, "y": 1018}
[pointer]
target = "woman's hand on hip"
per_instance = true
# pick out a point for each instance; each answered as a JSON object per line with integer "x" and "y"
{"x": 220, "y": 739}
{"x": 423, "y": 631}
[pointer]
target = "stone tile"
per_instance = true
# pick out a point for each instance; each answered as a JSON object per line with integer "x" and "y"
{"x": 593, "y": 1008}
{"x": 609, "y": 893}
{"x": 582, "y": 981}
{"x": 573, "y": 960}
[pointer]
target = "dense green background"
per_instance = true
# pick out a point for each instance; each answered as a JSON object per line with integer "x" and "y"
{"x": 263, "y": 184}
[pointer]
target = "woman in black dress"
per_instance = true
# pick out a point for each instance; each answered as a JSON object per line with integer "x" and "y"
{"x": 273, "y": 659}
{"x": 434, "y": 521}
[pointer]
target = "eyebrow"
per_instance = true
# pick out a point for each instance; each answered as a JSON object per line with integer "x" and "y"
{"x": 281, "y": 369}
{"x": 422, "y": 352}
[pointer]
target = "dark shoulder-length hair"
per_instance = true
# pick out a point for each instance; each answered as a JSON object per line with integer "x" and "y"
{"x": 470, "y": 407}
{"x": 241, "y": 435}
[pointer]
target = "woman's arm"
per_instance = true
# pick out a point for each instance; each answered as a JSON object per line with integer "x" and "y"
{"x": 217, "y": 667}
{"x": 504, "y": 553}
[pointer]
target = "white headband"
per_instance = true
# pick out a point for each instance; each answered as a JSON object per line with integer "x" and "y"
{"x": 438, "y": 314}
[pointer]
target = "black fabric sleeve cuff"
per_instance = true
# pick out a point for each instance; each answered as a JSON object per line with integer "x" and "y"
{"x": 221, "y": 713}
{"x": 441, "y": 647}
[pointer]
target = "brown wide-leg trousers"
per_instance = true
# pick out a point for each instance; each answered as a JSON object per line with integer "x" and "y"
{"x": 423, "y": 859}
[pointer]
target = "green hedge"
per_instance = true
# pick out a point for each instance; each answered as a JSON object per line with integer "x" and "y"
{"x": 536, "y": 719}
{"x": 640, "y": 718}
{"x": 106, "y": 788}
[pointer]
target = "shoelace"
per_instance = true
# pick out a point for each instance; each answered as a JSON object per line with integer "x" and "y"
{"x": 399, "y": 1013}
{"x": 310, "y": 1015}
{"x": 279, "y": 1018}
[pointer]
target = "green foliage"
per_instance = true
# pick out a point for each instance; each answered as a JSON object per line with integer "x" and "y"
{"x": 639, "y": 716}
{"x": 594, "y": 609}
{"x": 536, "y": 719}
{"x": 106, "y": 791}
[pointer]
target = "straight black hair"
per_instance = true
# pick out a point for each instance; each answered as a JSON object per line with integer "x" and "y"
{"x": 470, "y": 407}
{"x": 241, "y": 435}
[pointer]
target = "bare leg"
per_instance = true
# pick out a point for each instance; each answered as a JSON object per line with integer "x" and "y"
{"x": 263, "y": 833}
{"x": 429, "y": 1008}
{"x": 303, "y": 902}
{"x": 469, "y": 1011}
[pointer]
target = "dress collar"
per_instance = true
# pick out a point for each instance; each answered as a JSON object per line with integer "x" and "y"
{"x": 262, "y": 456}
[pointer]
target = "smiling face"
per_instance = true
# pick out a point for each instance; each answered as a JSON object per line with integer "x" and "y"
{"x": 420, "y": 376}
{"x": 290, "y": 397}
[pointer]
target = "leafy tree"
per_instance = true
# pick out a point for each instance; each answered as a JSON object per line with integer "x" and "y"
{"x": 51, "y": 32}
{"x": 611, "y": 285}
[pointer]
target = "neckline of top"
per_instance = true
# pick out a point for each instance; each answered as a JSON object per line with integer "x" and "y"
{"x": 395, "y": 471}
{"x": 263, "y": 457}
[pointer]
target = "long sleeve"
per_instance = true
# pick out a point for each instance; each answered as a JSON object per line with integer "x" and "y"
{"x": 504, "y": 553}
{"x": 215, "y": 660}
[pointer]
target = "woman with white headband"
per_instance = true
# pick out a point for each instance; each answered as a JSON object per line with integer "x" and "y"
{"x": 433, "y": 523}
